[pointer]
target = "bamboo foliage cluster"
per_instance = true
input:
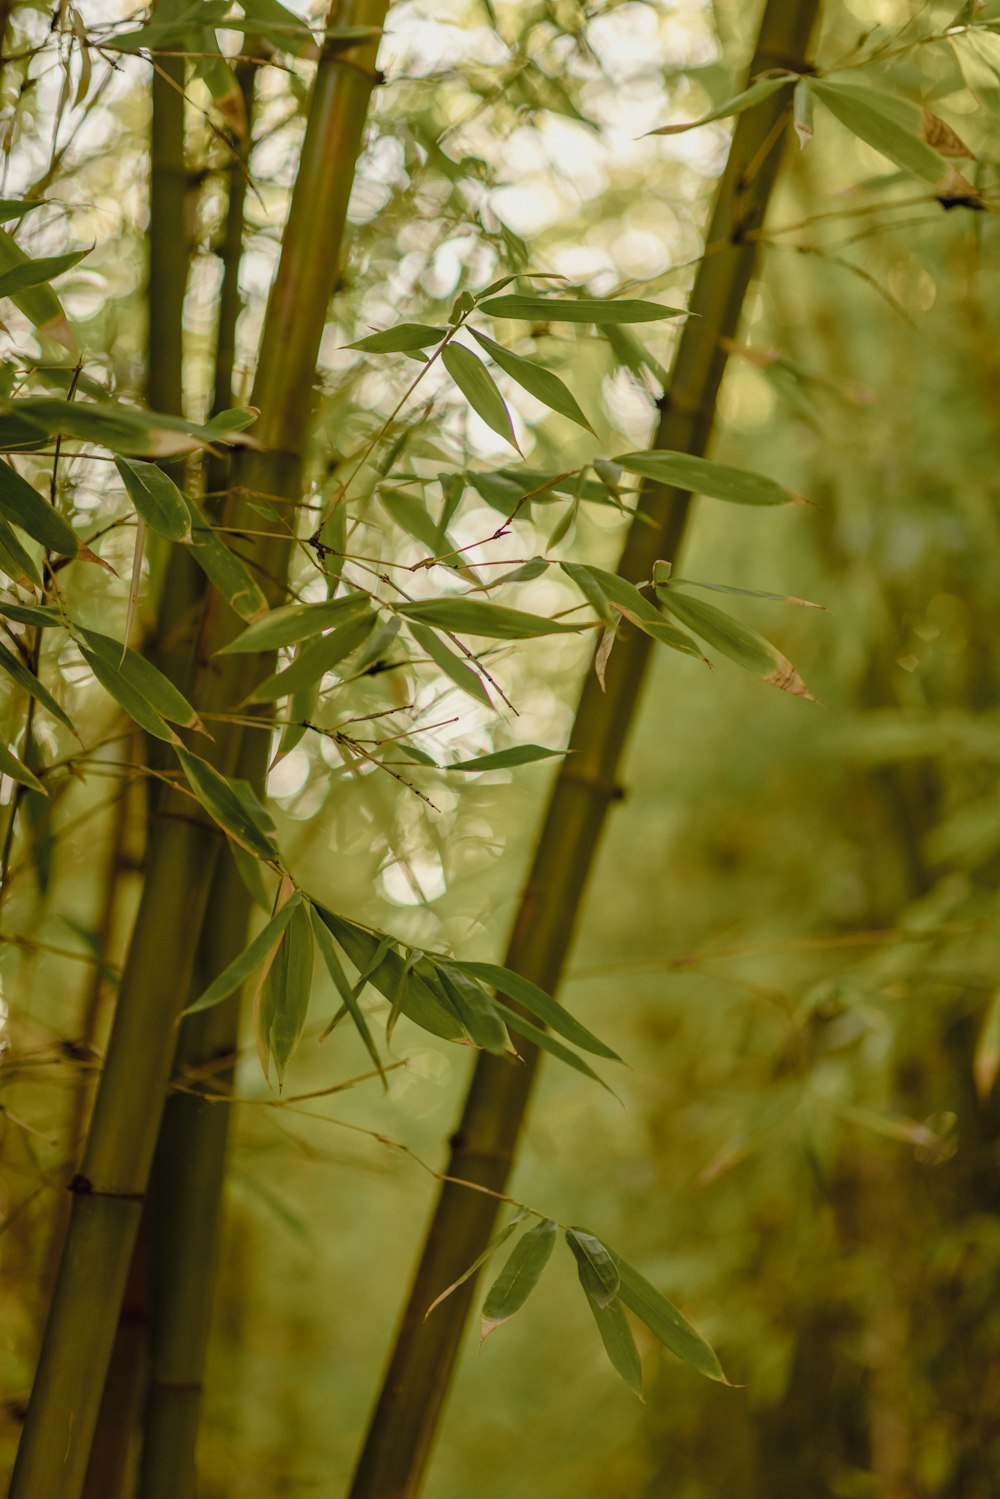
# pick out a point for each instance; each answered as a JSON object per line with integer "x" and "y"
{"x": 268, "y": 606}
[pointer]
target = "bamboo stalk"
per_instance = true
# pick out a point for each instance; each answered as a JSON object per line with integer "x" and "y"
{"x": 185, "y": 1194}
{"x": 401, "y": 1435}
{"x": 184, "y": 845}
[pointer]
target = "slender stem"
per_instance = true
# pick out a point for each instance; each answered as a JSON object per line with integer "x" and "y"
{"x": 184, "y": 846}
{"x": 400, "y": 1437}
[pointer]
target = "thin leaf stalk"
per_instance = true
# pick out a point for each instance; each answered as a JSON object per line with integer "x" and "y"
{"x": 400, "y": 1437}
{"x": 184, "y": 845}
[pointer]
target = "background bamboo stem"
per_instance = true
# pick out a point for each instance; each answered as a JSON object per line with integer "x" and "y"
{"x": 184, "y": 846}
{"x": 400, "y": 1437}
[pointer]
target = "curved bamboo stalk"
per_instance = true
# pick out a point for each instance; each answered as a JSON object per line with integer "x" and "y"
{"x": 403, "y": 1426}
{"x": 184, "y": 845}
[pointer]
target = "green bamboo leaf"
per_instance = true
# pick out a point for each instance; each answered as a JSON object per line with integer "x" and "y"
{"x": 488, "y": 1252}
{"x": 474, "y": 1008}
{"x": 518, "y": 754}
{"x": 891, "y": 124}
{"x": 519, "y": 1276}
{"x": 314, "y": 660}
{"x": 596, "y": 1258}
{"x": 477, "y": 386}
{"x": 156, "y": 498}
{"x": 223, "y": 426}
{"x": 16, "y": 669}
{"x": 518, "y": 988}
{"x": 400, "y": 340}
{"x": 40, "y": 272}
{"x": 16, "y": 208}
{"x": 421, "y": 1004}
{"x": 627, "y": 599}
{"x": 537, "y": 381}
{"x": 39, "y": 304}
{"x": 349, "y": 999}
{"x": 11, "y": 766}
{"x": 14, "y": 560}
{"x": 755, "y": 94}
{"x": 125, "y": 693}
{"x": 248, "y": 961}
{"x": 577, "y": 309}
{"x": 747, "y": 593}
{"x": 669, "y": 1325}
{"x": 125, "y": 430}
{"x": 224, "y": 805}
{"x": 616, "y": 1335}
{"x": 23, "y": 506}
{"x": 142, "y": 676}
{"x": 467, "y": 616}
{"x": 284, "y": 998}
{"x": 412, "y": 515}
{"x": 44, "y": 616}
{"x": 735, "y": 640}
{"x": 587, "y": 582}
{"x": 294, "y": 623}
{"x": 451, "y": 664}
{"x": 682, "y": 471}
{"x": 221, "y": 565}
{"x": 516, "y": 1022}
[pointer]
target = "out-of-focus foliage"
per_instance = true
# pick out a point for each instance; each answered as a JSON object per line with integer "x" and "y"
{"x": 792, "y": 932}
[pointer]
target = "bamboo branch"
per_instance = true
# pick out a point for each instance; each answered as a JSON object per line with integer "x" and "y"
{"x": 401, "y": 1435}
{"x": 184, "y": 845}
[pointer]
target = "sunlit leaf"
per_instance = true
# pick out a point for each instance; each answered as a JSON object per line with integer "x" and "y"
{"x": 400, "y": 340}
{"x": 224, "y": 805}
{"x": 16, "y": 669}
{"x": 683, "y": 471}
{"x": 22, "y": 505}
{"x": 248, "y": 961}
{"x": 140, "y": 673}
{"x": 451, "y": 664}
{"x": 577, "y": 309}
{"x": 39, "y": 272}
{"x": 294, "y": 623}
{"x": 537, "y": 381}
{"x": 11, "y": 766}
{"x": 735, "y": 640}
{"x": 519, "y": 1276}
{"x": 156, "y": 498}
{"x": 477, "y": 386}
{"x": 314, "y": 660}
{"x": 889, "y": 123}
{"x": 14, "y": 560}
{"x": 755, "y": 94}
{"x": 518, "y": 754}
{"x": 467, "y": 616}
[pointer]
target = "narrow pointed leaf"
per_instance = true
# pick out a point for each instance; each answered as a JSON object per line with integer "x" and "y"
{"x": 601, "y": 1268}
{"x": 519, "y": 1276}
{"x": 314, "y": 660}
{"x": 474, "y": 617}
{"x": 747, "y": 593}
{"x": 22, "y": 505}
{"x": 735, "y": 640}
{"x": 221, "y": 565}
{"x": 224, "y": 805}
{"x": 124, "y": 691}
{"x": 505, "y": 981}
{"x": 488, "y": 1252}
{"x": 294, "y": 623}
{"x": 284, "y": 998}
{"x": 477, "y": 386}
{"x": 545, "y": 1042}
{"x": 421, "y": 1004}
{"x": 39, "y": 304}
{"x": 16, "y": 669}
{"x": 669, "y": 1325}
{"x": 247, "y": 962}
{"x": 14, "y": 560}
{"x": 891, "y": 124}
{"x": 451, "y": 664}
{"x": 349, "y": 999}
{"x": 700, "y": 476}
{"x": 38, "y": 272}
{"x": 537, "y": 381}
{"x": 616, "y": 1335}
{"x": 156, "y": 498}
{"x": 577, "y": 309}
{"x": 142, "y": 676}
{"x": 627, "y": 599}
{"x": 400, "y": 340}
{"x": 11, "y": 766}
{"x": 518, "y": 754}
{"x": 474, "y": 1007}
{"x": 755, "y": 94}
